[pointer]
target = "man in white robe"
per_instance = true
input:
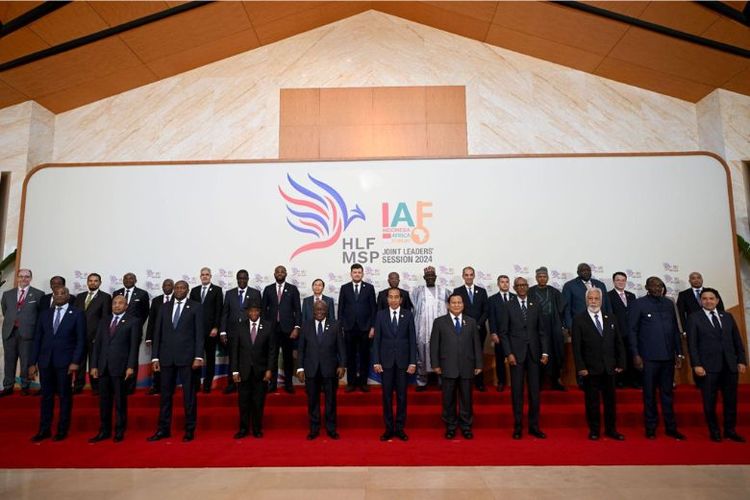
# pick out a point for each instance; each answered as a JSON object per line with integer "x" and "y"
{"x": 430, "y": 302}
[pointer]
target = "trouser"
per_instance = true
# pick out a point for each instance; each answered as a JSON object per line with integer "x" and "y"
{"x": 112, "y": 392}
{"x": 595, "y": 386}
{"x": 502, "y": 377}
{"x": 210, "y": 364}
{"x": 357, "y": 349}
{"x": 251, "y": 398}
{"x": 479, "y": 377}
{"x": 658, "y": 375}
{"x": 86, "y": 367}
{"x": 314, "y": 385}
{"x": 713, "y": 382}
{"x": 394, "y": 378}
{"x": 189, "y": 400}
{"x": 286, "y": 345}
{"x": 528, "y": 371}
{"x": 16, "y": 349}
{"x": 55, "y": 381}
{"x": 462, "y": 388}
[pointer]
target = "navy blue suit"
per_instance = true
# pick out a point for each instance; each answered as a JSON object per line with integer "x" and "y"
{"x": 53, "y": 352}
{"x": 574, "y": 295}
{"x": 357, "y": 315}
{"x": 394, "y": 349}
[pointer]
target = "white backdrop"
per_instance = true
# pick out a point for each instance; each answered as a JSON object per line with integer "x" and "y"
{"x": 645, "y": 215}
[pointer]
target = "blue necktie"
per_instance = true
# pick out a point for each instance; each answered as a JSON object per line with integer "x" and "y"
{"x": 458, "y": 326}
{"x": 58, "y": 318}
{"x": 598, "y": 324}
{"x": 176, "y": 317}
{"x": 471, "y": 295}
{"x": 320, "y": 330}
{"x": 241, "y": 297}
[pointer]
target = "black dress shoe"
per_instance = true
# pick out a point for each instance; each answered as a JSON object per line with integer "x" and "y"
{"x": 349, "y": 388}
{"x": 559, "y": 387}
{"x": 615, "y": 435}
{"x": 229, "y": 389}
{"x": 189, "y": 436}
{"x": 312, "y": 435}
{"x": 450, "y": 434}
{"x": 386, "y": 436}
{"x": 537, "y": 433}
{"x": 257, "y": 434}
{"x": 100, "y": 437}
{"x": 733, "y": 436}
{"x": 650, "y": 434}
{"x": 206, "y": 390}
{"x": 676, "y": 434}
{"x": 500, "y": 387}
{"x": 6, "y": 392}
{"x": 157, "y": 436}
{"x": 272, "y": 389}
{"x": 78, "y": 390}
{"x": 59, "y": 436}
{"x": 119, "y": 436}
{"x": 25, "y": 391}
{"x": 41, "y": 436}
{"x": 289, "y": 389}
{"x": 240, "y": 434}
{"x": 594, "y": 436}
{"x": 482, "y": 388}
{"x": 467, "y": 434}
{"x": 333, "y": 435}
{"x": 152, "y": 391}
{"x": 95, "y": 393}
{"x": 402, "y": 435}
{"x": 715, "y": 437}
{"x": 364, "y": 388}
{"x": 421, "y": 388}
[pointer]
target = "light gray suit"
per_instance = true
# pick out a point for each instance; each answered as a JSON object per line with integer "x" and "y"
{"x": 18, "y": 341}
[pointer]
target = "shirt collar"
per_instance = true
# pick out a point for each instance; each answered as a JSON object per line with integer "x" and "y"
{"x": 397, "y": 311}
{"x": 63, "y": 307}
{"x": 460, "y": 317}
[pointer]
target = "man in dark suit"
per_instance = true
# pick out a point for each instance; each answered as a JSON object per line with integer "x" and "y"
{"x": 211, "y": 298}
{"x": 656, "y": 348}
{"x": 235, "y": 305}
{"x": 281, "y": 306}
{"x": 574, "y": 293}
{"x": 318, "y": 286}
{"x": 167, "y": 288}
{"x": 114, "y": 360}
{"x": 20, "y": 308}
{"x": 59, "y": 342}
{"x": 599, "y": 354}
{"x": 394, "y": 356}
{"x": 527, "y": 344}
{"x": 456, "y": 355}
{"x": 95, "y": 304}
{"x": 252, "y": 350}
{"x": 322, "y": 363}
{"x": 177, "y": 350}
{"x": 138, "y": 306}
{"x": 55, "y": 282}
{"x": 356, "y": 314}
{"x": 496, "y": 312}
{"x": 689, "y": 301}
{"x": 476, "y": 305}
{"x": 393, "y": 281}
{"x": 717, "y": 355}
{"x": 620, "y": 299}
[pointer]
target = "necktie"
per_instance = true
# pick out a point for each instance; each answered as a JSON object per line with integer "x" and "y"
{"x": 241, "y": 297}
{"x": 317, "y": 299}
{"x": 624, "y": 298}
{"x": 278, "y": 302}
{"x": 458, "y": 326}
{"x": 598, "y": 324}
{"x": 715, "y": 321}
{"x": 523, "y": 309}
{"x": 253, "y": 332}
{"x": 356, "y": 291}
{"x": 698, "y": 295}
{"x": 176, "y": 317}
{"x": 127, "y": 296}
{"x": 394, "y": 322}
{"x": 19, "y": 306}
{"x": 588, "y": 284}
{"x": 203, "y": 294}
{"x": 505, "y": 297}
{"x": 471, "y": 295}
{"x": 320, "y": 330}
{"x": 58, "y": 318}
{"x": 113, "y": 326}
{"x": 166, "y": 299}
{"x": 88, "y": 300}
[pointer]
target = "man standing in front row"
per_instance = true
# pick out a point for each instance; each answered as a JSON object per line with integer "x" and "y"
{"x": 717, "y": 356}
{"x": 599, "y": 354}
{"x": 357, "y": 317}
{"x": 138, "y": 306}
{"x": 235, "y": 306}
{"x": 322, "y": 363}
{"x": 178, "y": 350}
{"x": 656, "y": 348}
{"x": 430, "y": 302}
{"x": 113, "y": 361}
{"x": 59, "y": 342}
{"x": 476, "y": 306}
{"x": 457, "y": 353}
{"x": 251, "y": 354}
{"x": 394, "y": 356}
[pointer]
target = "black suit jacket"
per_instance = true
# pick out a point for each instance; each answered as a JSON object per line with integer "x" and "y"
{"x": 687, "y": 304}
{"x": 234, "y": 309}
{"x": 521, "y": 337}
{"x": 479, "y": 309}
{"x": 117, "y": 352}
{"x": 179, "y": 346}
{"x": 497, "y": 310}
{"x": 382, "y": 300}
{"x": 139, "y": 302}
{"x": 153, "y": 315}
{"x": 457, "y": 355}
{"x": 325, "y": 355}
{"x": 596, "y": 353}
{"x": 251, "y": 359}
{"x": 100, "y": 306}
{"x": 288, "y": 310}
{"x": 210, "y": 307}
{"x": 307, "y": 307}
{"x": 709, "y": 347}
{"x": 357, "y": 314}
{"x": 620, "y": 310}
{"x": 395, "y": 348}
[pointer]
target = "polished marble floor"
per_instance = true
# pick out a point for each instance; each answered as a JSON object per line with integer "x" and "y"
{"x": 394, "y": 483}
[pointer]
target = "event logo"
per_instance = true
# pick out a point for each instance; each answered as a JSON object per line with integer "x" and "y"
{"x": 400, "y": 226}
{"x": 319, "y": 211}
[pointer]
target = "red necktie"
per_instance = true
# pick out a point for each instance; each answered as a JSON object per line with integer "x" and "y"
{"x": 113, "y": 326}
{"x": 19, "y": 306}
{"x": 279, "y": 289}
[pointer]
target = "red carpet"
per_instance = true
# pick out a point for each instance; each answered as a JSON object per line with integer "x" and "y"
{"x": 360, "y": 425}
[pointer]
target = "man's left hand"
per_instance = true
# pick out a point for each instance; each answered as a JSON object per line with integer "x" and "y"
{"x": 214, "y": 332}
{"x": 72, "y": 368}
{"x": 197, "y": 363}
{"x": 412, "y": 369}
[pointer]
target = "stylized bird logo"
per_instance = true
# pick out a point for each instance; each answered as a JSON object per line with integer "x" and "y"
{"x": 323, "y": 214}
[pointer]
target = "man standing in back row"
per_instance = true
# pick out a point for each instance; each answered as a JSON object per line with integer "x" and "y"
{"x": 211, "y": 298}
{"x": 281, "y": 306}
{"x": 357, "y": 317}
